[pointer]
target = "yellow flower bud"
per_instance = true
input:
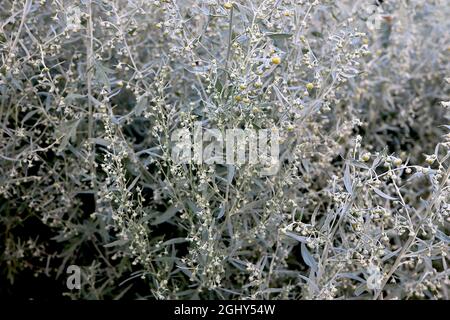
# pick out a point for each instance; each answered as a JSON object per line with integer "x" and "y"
{"x": 430, "y": 159}
{"x": 276, "y": 60}
{"x": 397, "y": 161}
{"x": 228, "y": 5}
{"x": 365, "y": 157}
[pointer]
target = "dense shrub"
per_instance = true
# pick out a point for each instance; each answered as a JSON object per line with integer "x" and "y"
{"x": 92, "y": 93}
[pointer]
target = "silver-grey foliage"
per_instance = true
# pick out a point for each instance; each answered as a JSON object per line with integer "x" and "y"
{"x": 91, "y": 92}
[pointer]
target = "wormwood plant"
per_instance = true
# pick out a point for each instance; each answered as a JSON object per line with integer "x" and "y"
{"x": 92, "y": 91}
